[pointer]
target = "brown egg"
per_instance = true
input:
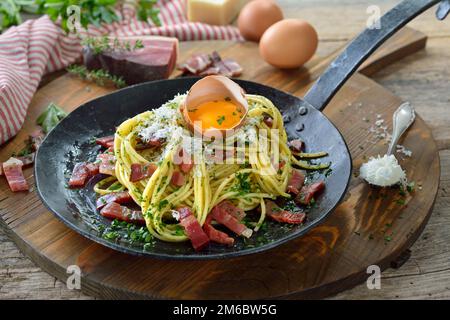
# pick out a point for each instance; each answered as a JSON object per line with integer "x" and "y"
{"x": 288, "y": 43}
{"x": 256, "y": 17}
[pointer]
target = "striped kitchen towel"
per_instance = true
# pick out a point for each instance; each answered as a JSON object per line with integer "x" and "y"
{"x": 37, "y": 47}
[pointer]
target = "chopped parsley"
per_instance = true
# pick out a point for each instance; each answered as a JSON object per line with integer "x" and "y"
{"x": 220, "y": 120}
{"x": 162, "y": 204}
{"x": 242, "y": 185}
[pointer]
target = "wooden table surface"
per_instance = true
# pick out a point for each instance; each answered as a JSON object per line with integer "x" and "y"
{"x": 423, "y": 79}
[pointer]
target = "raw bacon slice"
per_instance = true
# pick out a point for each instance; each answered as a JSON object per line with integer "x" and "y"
{"x": 210, "y": 71}
{"x": 308, "y": 192}
{"x": 114, "y": 210}
{"x": 26, "y": 161}
{"x": 13, "y": 172}
{"x": 216, "y": 235}
{"x": 233, "y": 67}
{"x": 225, "y": 218}
{"x": 107, "y": 163}
{"x": 296, "y": 182}
{"x": 280, "y": 215}
{"x": 106, "y": 142}
{"x": 193, "y": 229}
{"x": 177, "y": 179}
{"x": 141, "y": 171}
{"x": 196, "y": 64}
{"x": 118, "y": 197}
{"x": 79, "y": 176}
{"x": 156, "y": 60}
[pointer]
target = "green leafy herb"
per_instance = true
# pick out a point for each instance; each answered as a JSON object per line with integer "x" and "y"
{"x": 162, "y": 204}
{"x": 220, "y": 120}
{"x": 102, "y": 44}
{"x": 242, "y": 185}
{"x": 50, "y": 117}
{"x": 100, "y": 77}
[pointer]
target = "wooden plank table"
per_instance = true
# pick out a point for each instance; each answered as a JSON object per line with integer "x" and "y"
{"x": 422, "y": 79}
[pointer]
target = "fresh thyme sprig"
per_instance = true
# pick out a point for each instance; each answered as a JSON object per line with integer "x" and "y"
{"x": 100, "y": 76}
{"x": 102, "y": 44}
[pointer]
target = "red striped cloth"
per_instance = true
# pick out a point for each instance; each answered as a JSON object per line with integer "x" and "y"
{"x": 37, "y": 47}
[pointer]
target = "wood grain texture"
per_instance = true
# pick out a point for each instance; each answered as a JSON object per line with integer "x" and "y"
{"x": 421, "y": 78}
{"x": 329, "y": 259}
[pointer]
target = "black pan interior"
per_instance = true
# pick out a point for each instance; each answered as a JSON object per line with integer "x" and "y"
{"x": 71, "y": 142}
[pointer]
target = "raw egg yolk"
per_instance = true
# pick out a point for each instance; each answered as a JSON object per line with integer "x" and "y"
{"x": 218, "y": 114}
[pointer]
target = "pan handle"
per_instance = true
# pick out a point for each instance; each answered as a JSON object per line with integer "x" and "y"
{"x": 340, "y": 70}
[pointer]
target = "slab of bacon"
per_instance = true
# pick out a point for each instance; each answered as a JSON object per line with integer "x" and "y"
{"x": 141, "y": 171}
{"x": 295, "y": 182}
{"x": 221, "y": 213}
{"x": 281, "y": 215}
{"x": 210, "y": 64}
{"x": 12, "y": 170}
{"x": 156, "y": 60}
{"x": 114, "y": 210}
{"x": 193, "y": 229}
{"x": 308, "y": 192}
{"x": 117, "y": 197}
{"x": 26, "y": 161}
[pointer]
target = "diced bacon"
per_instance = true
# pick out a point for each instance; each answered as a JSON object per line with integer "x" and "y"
{"x": 230, "y": 208}
{"x": 216, "y": 235}
{"x": 186, "y": 167}
{"x": 14, "y": 175}
{"x": 225, "y": 218}
{"x": 296, "y": 145}
{"x": 26, "y": 161}
{"x": 152, "y": 143}
{"x": 210, "y": 71}
{"x": 296, "y": 182}
{"x": 113, "y": 210}
{"x": 141, "y": 171}
{"x": 307, "y": 193}
{"x": 118, "y": 197}
{"x": 107, "y": 163}
{"x": 193, "y": 229}
{"x": 268, "y": 121}
{"x": 79, "y": 176}
{"x": 196, "y": 64}
{"x": 93, "y": 169}
{"x": 106, "y": 142}
{"x": 280, "y": 215}
{"x": 36, "y": 138}
{"x": 177, "y": 179}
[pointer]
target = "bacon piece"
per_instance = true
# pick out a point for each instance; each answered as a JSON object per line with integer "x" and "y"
{"x": 107, "y": 163}
{"x": 296, "y": 145}
{"x": 26, "y": 161}
{"x": 296, "y": 182}
{"x": 106, "y": 142}
{"x": 216, "y": 235}
{"x": 210, "y": 71}
{"x": 280, "y": 215}
{"x": 193, "y": 229}
{"x": 308, "y": 192}
{"x": 117, "y": 197}
{"x": 141, "y": 171}
{"x": 222, "y": 216}
{"x": 177, "y": 179}
{"x": 152, "y": 143}
{"x": 186, "y": 167}
{"x": 230, "y": 208}
{"x": 93, "y": 169}
{"x": 14, "y": 175}
{"x": 196, "y": 63}
{"x": 113, "y": 210}
{"x": 79, "y": 176}
{"x": 268, "y": 121}
{"x": 233, "y": 67}
{"x": 36, "y": 138}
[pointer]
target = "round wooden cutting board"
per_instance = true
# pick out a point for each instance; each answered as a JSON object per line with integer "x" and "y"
{"x": 371, "y": 227}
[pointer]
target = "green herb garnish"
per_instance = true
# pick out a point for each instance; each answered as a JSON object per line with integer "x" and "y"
{"x": 100, "y": 77}
{"x": 220, "y": 120}
{"x": 50, "y": 117}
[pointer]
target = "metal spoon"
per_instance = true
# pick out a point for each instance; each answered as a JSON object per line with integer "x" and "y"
{"x": 403, "y": 118}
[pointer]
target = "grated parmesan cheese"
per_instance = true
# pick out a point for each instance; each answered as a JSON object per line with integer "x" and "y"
{"x": 382, "y": 171}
